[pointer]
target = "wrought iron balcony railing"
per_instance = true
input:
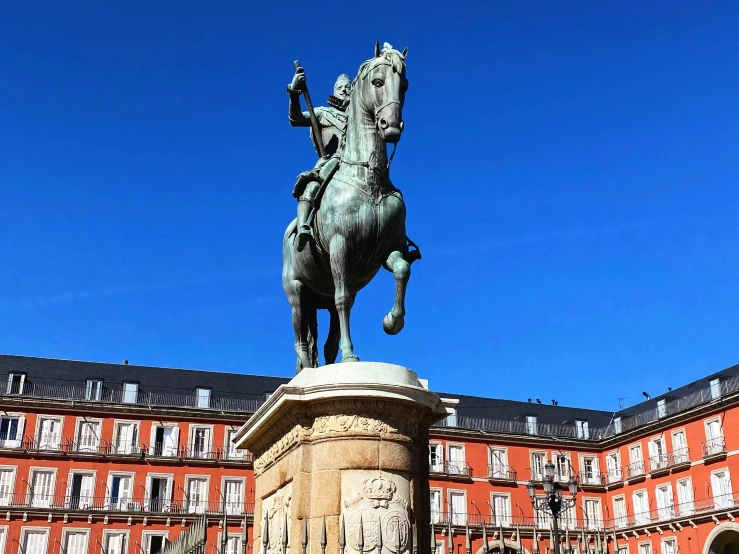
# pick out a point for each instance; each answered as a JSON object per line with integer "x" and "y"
{"x": 659, "y": 462}
{"x": 461, "y": 469}
{"x": 635, "y": 469}
{"x": 714, "y": 447}
{"x": 500, "y": 472}
{"x": 679, "y": 456}
{"x": 122, "y": 504}
{"x": 615, "y": 475}
{"x": 591, "y": 478}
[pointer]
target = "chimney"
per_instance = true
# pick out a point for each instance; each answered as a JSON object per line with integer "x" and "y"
{"x": 125, "y": 362}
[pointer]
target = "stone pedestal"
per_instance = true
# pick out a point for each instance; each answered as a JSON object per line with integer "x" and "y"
{"x": 343, "y": 442}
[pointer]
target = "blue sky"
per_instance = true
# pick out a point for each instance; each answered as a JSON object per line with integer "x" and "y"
{"x": 570, "y": 171}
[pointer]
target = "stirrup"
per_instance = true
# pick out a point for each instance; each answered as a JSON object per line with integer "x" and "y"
{"x": 305, "y": 235}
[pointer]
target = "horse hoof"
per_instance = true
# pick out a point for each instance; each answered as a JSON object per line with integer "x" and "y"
{"x": 392, "y": 325}
{"x": 351, "y": 358}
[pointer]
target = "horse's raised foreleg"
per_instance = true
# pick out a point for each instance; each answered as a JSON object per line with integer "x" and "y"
{"x": 301, "y": 320}
{"x": 401, "y": 269}
{"x": 331, "y": 348}
{"x": 343, "y": 299}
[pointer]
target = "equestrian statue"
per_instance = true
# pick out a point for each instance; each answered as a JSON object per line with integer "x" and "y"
{"x": 351, "y": 219}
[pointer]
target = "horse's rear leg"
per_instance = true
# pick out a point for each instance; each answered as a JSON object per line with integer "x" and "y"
{"x": 401, "y": 269}
{"x": 343, "y": 299}
{"x": 331, "y": 348}
{"x": 295, "y": 291}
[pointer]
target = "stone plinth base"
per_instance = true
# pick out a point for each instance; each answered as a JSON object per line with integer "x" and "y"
{"x": 345, "y": 441}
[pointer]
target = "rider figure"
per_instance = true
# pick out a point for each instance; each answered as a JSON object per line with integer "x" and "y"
{"x": 332, "y": 120}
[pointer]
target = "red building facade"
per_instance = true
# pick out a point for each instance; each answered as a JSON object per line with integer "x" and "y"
{"x": 111, "y": 459}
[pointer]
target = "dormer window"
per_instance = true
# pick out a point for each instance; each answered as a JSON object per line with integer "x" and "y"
{"x": 715, "y": 388}
{"x": 202, "y": 397}
{"x": 661, "y": 408}
{"x": 130, "y": 393}
{"x": 93, "y": 389}
{"x": 451, "y": 419}
{"x": 16, "y": 381}
{"x": 531, "y": 424}
{"x": 617, "y": 425}
{"x": 581, "y": 429}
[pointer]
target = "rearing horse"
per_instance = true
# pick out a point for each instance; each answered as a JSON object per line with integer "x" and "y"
{"x": 360, "y": 225}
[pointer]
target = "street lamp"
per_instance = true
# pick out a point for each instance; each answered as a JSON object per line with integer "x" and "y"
{"x": 553, "y": 502}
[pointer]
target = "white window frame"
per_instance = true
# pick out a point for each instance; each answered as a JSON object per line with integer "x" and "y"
{"x": 126, "y": 538}
{"x": 11, "y": 491}
{"x": 4, "y": 532}
{"x": 205, "y": 501}
{"x": 617, "y": 425}
{"x": 208, "y": 448}
{"x": 439, "y": 466}
{"x": 458, "y": 467}
{"x": 229, "y": 448}
{"x": 70, "y": 479}
{"x": 152, "y": 438}
{"x": 146, "y": 539}
{"x": 242, "y": 481}
{"x": 37, "y": 435}
{"x": 130, "y": 396}
{"x": 505, "y": 522}
{"x": 598, "y": 524}
{"x": 166, "y": 503}
{"x": 16, "y": 442}
{"x": 715, "y": 388}
{"x": 615, "y": 474}
{"x": 52, "y": 487}
{"x": 532, "y": 424}
{"x": 666, "y": 540}
{"x": 9, "y": 388}
{"x": 131, "y": 449}
{"x": 682, "y": 457}
{"x": 75, "y": 530}
{"x": 642, "y": 544}
{"x": 33, "y": 528}
{"x": 537, "y": 475}
{"x": 714, "y": 448}
{"x": 451, "y": 419}
{"x": 595, "y": 478}
{"x": 498, "y": 457}
{"x": 203, "y": 397}
{"x": 658, "y": 461}
{"x": 455, "y": 518}
{"x": 440, "y": 506}
{"x": 641, "y": 517}
{"x": 558, "y": 475}
{"x": 582, "y": 430}
{"x": 687, "y": 507}
{"x": 90, "y": 390}
{"x": 667, "y": 511}
{"x": 632, "y": 460}
{"x": 77, "y": 429}
{"x": 109, "y": 493}
{"x": 661, "y": 408}
{"x": 720, "y": 500}
{"x": 229, "y": 536}
{"x": 620, "y": 521}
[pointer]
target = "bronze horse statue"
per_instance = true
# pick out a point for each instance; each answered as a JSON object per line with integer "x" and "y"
{"x": 360, "y": 225}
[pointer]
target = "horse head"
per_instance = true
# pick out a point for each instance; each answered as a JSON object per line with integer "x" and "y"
{"x": 382, "y": 85}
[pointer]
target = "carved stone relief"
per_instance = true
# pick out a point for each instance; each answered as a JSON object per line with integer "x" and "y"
{"x": 276, "y": 507}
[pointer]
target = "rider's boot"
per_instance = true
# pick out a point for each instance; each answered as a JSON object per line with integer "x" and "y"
{"x": 305, "y": 233}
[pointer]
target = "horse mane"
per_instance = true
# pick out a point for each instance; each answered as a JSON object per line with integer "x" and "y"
{"x": 388, "y": 54}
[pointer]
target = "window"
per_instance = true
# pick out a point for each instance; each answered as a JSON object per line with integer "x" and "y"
{"x": 669, "y": 546}
{"x": 93, "y": 389}
{"x": 126, "y": 436}
{"x": 197, "y": 494}
{"x": 119, "y": 489}
{"x": 456, "y": 464}
{"x": 233, "y": 453}
{"x": 567, "y": 518}
{"x": 233, "y": 544}
{"x": 75, "y": 542}
{"x": 202, "y": 398}
{"x": 531, "y": 426}
{"x": 153, "y": 542}
{"x": 11, "y": 431}
{"x": 502, "y": 509}
{"x": 613, "y": 466}
{"x": 158, "y": 493}
{"x": 714, "y": 437}
{"x": 35, "y": 541}
{"x": 130, "y": 393}
{"x": 543, "y": 518}
{"x": 685, "y": 505}
{"x": 715, "y": 388}
{"x": 538, "y": 460}
{"x": 592, "y": 510}
{"x": 233, "y": 491}
{"x": 498, "y": 463}
{"x": 645, "y": 548}
{"x": 451, "y": 419}
{"x": 563, "y": 468}
{"x": 680, "y": 453}
{"x": 80, "y": 491}
{"x": 590, "y": 473}
{"x": 7, "y": 484}
{"x": 664, "y": 502}
{"x": 619, "y": 511}
{"x": 637, "y": 462}
{"x": 164, "y": 440}
{"x": 617, "y": 425}
{"x": 88, "y": 436}
{"x": 436, "y": 458}
{"x": 42, "y": 488}
{"x": 458, "y": 508}
{"x": 721, "y": 487}
{"x": 661, "y": 408}
{"x": 16, "y": 381}
{"x": 116, "y": 542}
{"x": 641, "y": 507}
{"x": 3, "y": 538}
{"x": 657, "y": 453}
{"x": 49, "y": 435}
{"x": 199, "y": 441}
{"x": 435, "y": 498}
{"x": 581, "y": 428}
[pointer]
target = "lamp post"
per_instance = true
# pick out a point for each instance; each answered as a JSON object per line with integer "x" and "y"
{"x": 553, "y": 502}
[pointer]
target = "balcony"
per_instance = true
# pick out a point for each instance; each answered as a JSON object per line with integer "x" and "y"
{"x": 121, "y": 504}
{"x": 589, "y": 479}
{"x": 714, "y": 449}
{"x": 453, "y": 470}
{"x": 615, "y": 475}
{"x": 659, "y": 465}
{"x": 502, "y": 473}
{"x": 679, "y": 458}
{"x": 635, "y": 471}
